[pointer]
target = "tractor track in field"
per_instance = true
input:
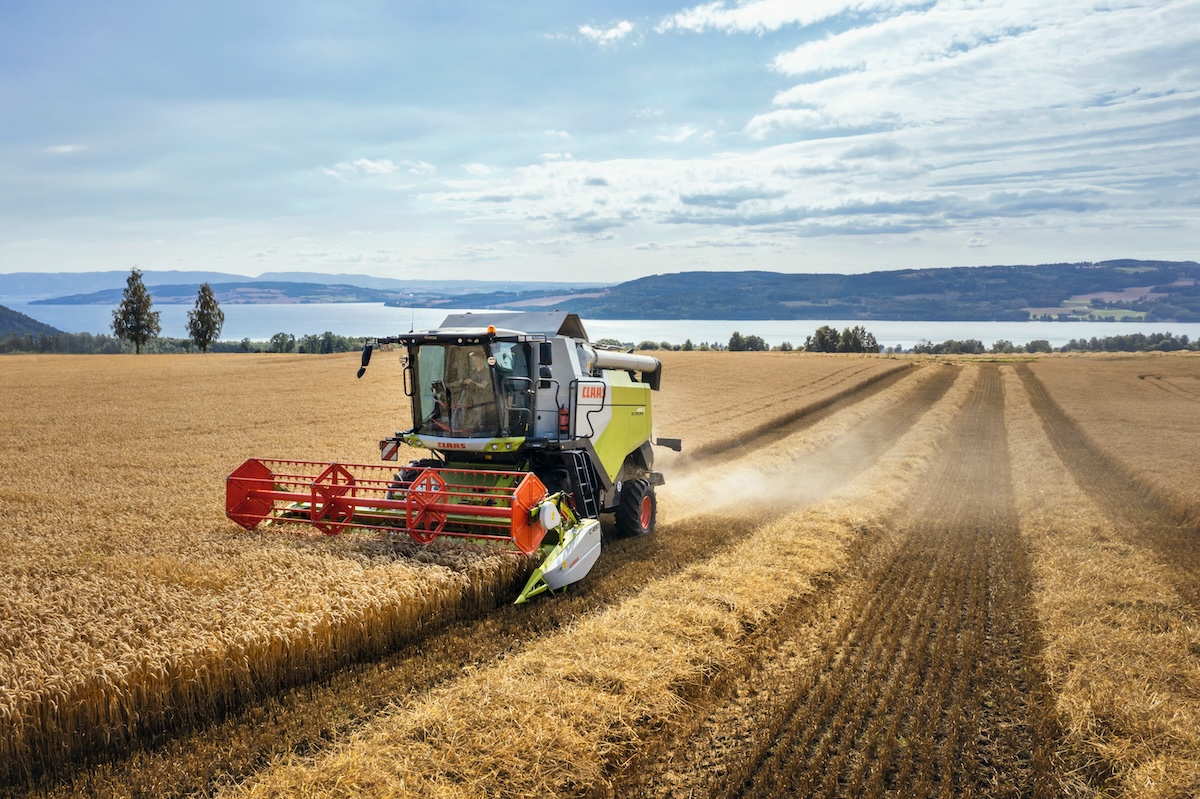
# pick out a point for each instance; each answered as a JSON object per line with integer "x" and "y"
{"x": 309, "y": 717}
{"x": 1170, "y": 386}
{"x": 1140, "y": 512}
{"x": 918, "y": 678}
{"x": 806, "y": 415}
{"x": 835, "y": 378}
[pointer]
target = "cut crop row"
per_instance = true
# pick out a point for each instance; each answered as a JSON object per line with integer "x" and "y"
{"x": 929, "y": 686}
{"x": 567, "y": 712}
{"x": 1121, "y": 640}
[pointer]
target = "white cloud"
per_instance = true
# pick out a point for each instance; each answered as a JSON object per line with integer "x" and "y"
{"x": 361, "y": 166}
{"x": 382, "y": 166}
{"x": 992, "y": 62}
{"x": 607, "y": 36}
{"x": 369, "y": 167}
{"x": 980, "y": 127}
{"x": 763, "y": 125}
{"x": 484, "y": 252}
{"x": 422, "y": 168}
{"x": 760, "y": 16}
{"x": 684, "y": 133}
{"x": 898, "y": 183}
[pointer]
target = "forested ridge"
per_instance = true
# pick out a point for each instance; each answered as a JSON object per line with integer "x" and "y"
{"x": 1159, "y": 291}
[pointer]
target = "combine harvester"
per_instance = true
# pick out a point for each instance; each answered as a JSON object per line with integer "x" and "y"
{"x": 535, "y": 432}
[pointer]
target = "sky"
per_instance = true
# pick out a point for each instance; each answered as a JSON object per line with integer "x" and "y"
{"x": 596, "y": 141}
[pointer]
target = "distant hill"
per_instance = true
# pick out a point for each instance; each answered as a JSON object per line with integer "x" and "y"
{"x": 259, "y": 292}
{"x": 32, "y": 286}
{"x": 242, "y": 293}
{"x": 1125, "y": 290}
{"x": 424, "y": 286}
{"x": 16, "y": 322}
{"x": 1163, "y": 291}
{"x": 38, "y": 285}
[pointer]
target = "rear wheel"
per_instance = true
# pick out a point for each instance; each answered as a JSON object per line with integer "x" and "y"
{"x": 638, "y": 509}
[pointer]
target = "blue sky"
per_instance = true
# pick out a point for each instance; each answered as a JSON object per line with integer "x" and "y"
{"x": 596, "y": 141}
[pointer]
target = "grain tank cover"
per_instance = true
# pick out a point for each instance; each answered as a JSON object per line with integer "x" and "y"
{"x": 548, "y": 324}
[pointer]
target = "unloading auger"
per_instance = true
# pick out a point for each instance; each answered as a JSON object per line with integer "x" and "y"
{"x": 533, "y": 432}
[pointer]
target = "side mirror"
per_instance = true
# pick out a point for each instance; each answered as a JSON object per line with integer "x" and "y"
{"x": 546, "y": 353}
{"x": 366, "y": 357}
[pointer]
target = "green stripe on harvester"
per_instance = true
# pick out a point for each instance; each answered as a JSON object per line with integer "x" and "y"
{"x": 629, "y": 428}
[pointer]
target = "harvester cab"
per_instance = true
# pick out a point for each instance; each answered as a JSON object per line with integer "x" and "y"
{"x": 533, "y": 433}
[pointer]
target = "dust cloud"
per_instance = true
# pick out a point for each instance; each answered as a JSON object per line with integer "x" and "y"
{"x": 778, "y": 477}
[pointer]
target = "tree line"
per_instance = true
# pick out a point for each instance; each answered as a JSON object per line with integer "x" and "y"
{"x": 859, "y": 339}
{"x": 104, "y": 344}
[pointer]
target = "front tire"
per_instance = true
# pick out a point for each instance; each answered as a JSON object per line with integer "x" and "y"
{"x": 638, "y": 511}
{"x": 403, "y": 478}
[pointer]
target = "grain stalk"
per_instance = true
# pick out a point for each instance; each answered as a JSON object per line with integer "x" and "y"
{"x": 567, "y": 714}
{"x": 1120, "y": 643}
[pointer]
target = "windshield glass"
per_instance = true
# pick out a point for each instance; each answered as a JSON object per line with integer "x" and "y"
{"x": 455, "y": 391}
{"x": 472, "y": 390}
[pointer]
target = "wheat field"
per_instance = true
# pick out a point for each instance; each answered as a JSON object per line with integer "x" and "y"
{"x": 872, "y": 576}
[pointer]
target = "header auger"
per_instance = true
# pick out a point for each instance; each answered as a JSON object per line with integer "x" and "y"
{"x": 534, "y": 433}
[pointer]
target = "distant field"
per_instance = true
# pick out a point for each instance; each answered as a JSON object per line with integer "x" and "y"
{"x": 1140, "y": 411}
{"x": 872, "y": 577}
{"x": 1078, "y": 309}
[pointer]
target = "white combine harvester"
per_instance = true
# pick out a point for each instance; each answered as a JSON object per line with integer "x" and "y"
{"x": 533, "y": 434}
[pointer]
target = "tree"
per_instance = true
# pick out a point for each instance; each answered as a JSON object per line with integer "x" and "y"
{"x": 756, "y": 344}
{"x": 1039, "y": 345}
{"x": 825, "y": 339}
{"x": 133, "y": 320}
{"x": 282, "y": 342}
{"x": 855, "y": 339}
{"x": 737, "y": 342}
{"x": 325, "y": 343}
{"x": 205, "y": 321}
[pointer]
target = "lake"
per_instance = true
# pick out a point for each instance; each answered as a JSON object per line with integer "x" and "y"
{"x": 260, "y": 322}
